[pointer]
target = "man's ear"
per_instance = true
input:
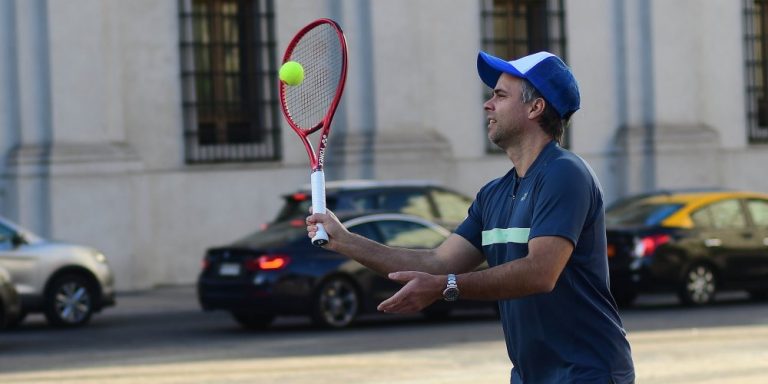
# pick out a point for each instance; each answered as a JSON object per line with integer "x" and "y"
{"x": 537, "y": 108}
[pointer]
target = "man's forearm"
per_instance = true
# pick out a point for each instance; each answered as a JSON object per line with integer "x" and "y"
{"x": 385, "y": 259}
{"x": 507, "y": 281}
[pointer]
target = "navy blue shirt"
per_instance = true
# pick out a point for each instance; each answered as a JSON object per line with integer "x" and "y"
{"x": 572, "y": 334}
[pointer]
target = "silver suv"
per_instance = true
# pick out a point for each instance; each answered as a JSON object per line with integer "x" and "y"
{"x": 66, "y": 282}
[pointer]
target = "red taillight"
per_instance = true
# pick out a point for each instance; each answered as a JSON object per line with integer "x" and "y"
{"x": 267, "y": 263}
{"x": 647, "y": 245}
{"x": 300, "y": 196}
{"x": 205, "y": 264}
{"x": 297, "y": 223}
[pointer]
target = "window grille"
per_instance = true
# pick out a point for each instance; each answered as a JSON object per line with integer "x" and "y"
{"x": 756, "y": 49}
{"x": 229, "y": 84}
{"x": 515, "y": 28}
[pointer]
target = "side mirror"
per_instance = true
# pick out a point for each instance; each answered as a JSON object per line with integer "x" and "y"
{"x": 18, "y": 240}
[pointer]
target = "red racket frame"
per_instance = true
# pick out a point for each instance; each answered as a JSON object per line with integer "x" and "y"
{"x": 316, "y": 159}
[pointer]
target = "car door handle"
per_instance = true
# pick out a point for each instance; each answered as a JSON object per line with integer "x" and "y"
{"x": 713, "y": 242}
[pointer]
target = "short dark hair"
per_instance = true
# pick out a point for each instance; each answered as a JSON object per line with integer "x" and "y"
{"x": 549, "y": 120}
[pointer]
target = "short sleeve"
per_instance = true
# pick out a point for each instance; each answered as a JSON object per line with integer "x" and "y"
{"x": 472, "y": 227}
{"x": 563, "y": 201}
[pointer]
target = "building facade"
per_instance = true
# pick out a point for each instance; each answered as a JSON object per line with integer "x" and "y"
{"x": 151, "y": 128}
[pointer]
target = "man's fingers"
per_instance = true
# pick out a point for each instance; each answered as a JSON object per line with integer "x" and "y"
{"x": 403, "y": 277}
{"x": 393, "y": 304}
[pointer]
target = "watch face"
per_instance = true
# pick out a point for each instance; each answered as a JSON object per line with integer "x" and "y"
{"x": 451, "y": 294}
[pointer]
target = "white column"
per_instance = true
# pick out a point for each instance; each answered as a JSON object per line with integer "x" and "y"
{"x": 34, "y": 103}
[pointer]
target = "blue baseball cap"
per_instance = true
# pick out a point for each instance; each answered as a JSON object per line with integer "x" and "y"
{"x": 545, "y": 71}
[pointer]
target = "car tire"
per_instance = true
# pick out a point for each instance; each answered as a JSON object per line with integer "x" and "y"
{"x": 336, "y": 303}
{"x": 69, "y": 301}
{"x": 255, "y": 321}
{"x": 699, "y": 285}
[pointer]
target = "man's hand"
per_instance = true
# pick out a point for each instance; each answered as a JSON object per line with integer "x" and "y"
{"x": 420, "y": 290}
{"x": 333, "y": 227}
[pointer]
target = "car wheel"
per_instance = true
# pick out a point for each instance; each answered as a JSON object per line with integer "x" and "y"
{"x": 69, "y": 301}
{"x": 699, "y": 285}
{"x": 336, "y": 303}
{"x": 252, "y": 320}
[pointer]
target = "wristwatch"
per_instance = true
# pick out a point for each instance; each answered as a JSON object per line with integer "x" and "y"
{"x": 451, "y": 292}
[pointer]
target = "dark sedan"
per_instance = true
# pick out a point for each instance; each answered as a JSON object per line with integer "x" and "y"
{"x": 692, "y": 243}
{"x": 10, "y": 304}
{"x": 278, "y": 272}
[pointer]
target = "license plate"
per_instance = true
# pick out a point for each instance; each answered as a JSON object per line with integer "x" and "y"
{"x": 229, "y": 269}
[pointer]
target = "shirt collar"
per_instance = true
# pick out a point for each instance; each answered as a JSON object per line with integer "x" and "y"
{"x": 541, "y": 159}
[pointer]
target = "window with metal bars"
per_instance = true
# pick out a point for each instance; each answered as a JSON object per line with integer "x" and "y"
{"x": 515, "y": 28}
{"x": 756, "y": 49}
{"x": 229, "y": 84}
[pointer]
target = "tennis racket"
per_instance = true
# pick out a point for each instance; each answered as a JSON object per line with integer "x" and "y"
{"x": 321, "y": 49}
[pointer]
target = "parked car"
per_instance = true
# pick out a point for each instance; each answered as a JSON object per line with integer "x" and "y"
{"x": 67, "y": 283}
{"x": 10, "y": 306}
{"x": 415, "y": 197}
{"x": 278, "y": 271}
{"x": 693, "y": 243}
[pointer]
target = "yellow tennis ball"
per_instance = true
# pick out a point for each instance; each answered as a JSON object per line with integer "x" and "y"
{"x": 292, "y": 73}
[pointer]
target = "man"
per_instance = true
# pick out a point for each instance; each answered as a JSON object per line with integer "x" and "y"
{"x": 541, "y": 229}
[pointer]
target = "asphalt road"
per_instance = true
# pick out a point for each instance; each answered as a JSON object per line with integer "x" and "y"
{"x": 160, "y": 336}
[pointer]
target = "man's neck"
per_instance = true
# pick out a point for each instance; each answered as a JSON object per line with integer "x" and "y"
{"x": 524, "y": 153}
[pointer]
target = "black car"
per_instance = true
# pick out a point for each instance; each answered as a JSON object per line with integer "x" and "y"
{"x": 415, "y": 197}
{"x": 692, "y": 243}
{"x": 278, "y": 272}
{"x": 10, "y": 304}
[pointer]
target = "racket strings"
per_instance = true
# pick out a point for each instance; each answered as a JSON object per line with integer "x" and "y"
{"x": 319, "y": 52}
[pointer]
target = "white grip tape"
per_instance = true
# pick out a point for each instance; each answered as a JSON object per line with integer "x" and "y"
{"x": 318, "y": 205}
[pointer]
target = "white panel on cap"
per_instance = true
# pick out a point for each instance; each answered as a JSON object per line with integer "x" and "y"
{"x": 526, "y": 63}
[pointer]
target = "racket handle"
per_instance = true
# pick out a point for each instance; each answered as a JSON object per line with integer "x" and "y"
{"x": 318, "y": 206}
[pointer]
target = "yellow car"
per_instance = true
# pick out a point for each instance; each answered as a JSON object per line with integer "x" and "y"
{"x": 692, "y": 243}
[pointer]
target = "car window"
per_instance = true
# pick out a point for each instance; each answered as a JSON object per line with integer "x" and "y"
{"x": 397, "y": 233}
{"x": 758, "y": 209}
{"x": 452, "y": 207}
{"x": 276, "y": 235}
{"x": 638, "y": 214}
{"x": 413, "y": 202}
{"x": 720, "y": 215}
{"x": 366, "y": 230}
{"x": 297, "y": 207}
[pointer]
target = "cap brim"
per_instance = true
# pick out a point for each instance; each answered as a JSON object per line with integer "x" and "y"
{"x": 491, "y": 67}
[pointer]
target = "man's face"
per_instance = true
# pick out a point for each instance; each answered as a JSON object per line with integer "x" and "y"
{"x": 506, "y": 112}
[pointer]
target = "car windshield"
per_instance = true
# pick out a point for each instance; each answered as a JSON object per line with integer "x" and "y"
{"x": 297, "y": 207}
{"x": 276, "y": 235}
{"x": 639, "y": 214}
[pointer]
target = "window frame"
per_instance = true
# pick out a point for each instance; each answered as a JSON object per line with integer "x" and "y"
{"x": 755, "y": 23}
{"x": 229, "y": 45}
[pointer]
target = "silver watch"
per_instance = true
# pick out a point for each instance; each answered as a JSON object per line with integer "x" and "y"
{"x": 451, "y": 292}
